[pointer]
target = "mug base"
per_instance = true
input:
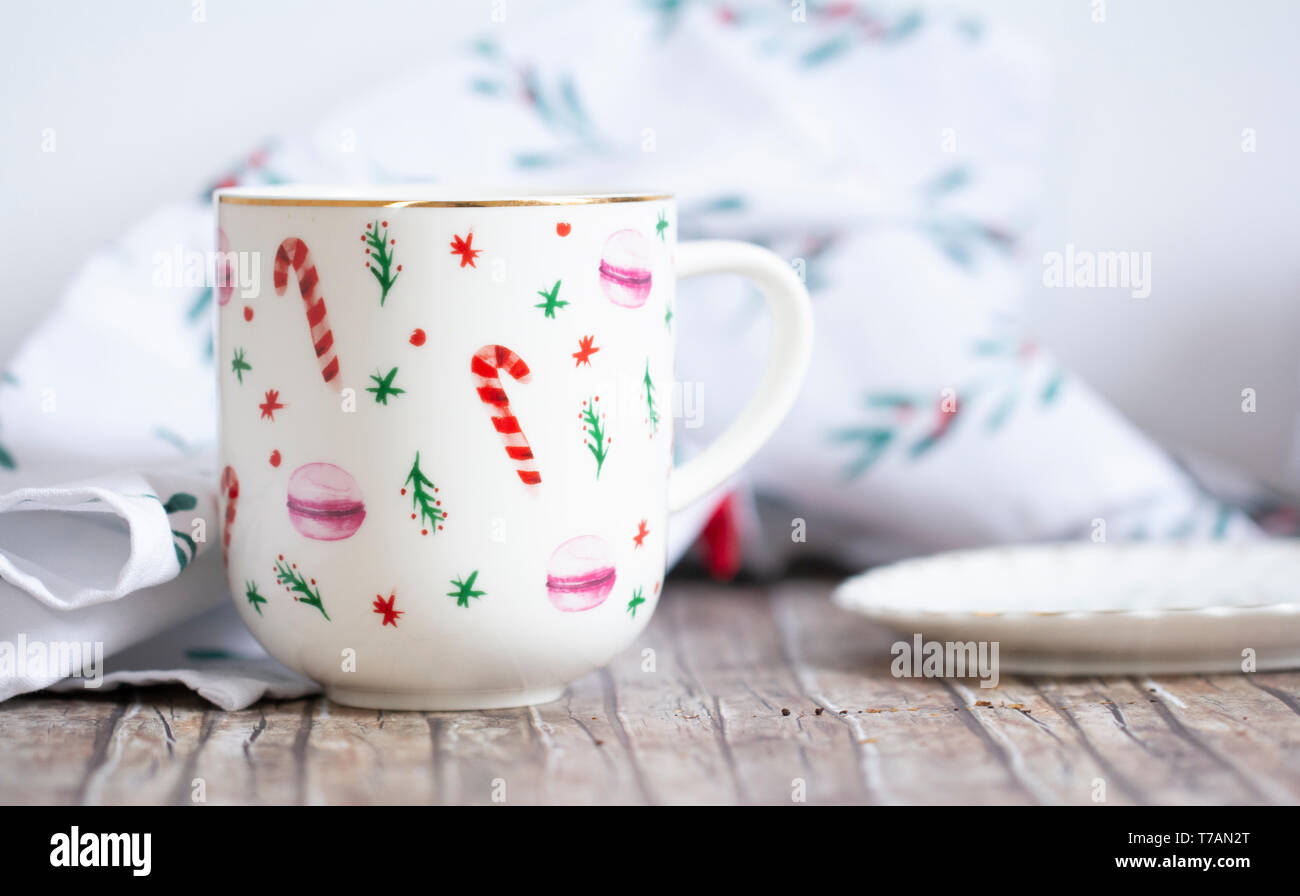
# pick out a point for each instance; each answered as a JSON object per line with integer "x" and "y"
{"x": 433, "y": 701}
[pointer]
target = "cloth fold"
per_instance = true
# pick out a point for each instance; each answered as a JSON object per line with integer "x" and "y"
{"x": 63, "y": 544}
{"x": 213, "y": 654}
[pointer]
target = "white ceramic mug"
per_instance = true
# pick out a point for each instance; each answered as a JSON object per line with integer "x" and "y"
{"x": 447, "y": 426}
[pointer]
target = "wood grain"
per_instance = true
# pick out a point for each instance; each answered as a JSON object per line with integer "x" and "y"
{"x": 732, "y": 695}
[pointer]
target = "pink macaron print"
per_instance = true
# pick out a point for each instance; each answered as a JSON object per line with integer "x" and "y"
{"x": 324, "y": 502}
{"x": 581, "y": 574}
{"x": 625, "y": 269}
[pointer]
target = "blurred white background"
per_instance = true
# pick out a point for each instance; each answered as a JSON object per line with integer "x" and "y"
{"x": 1146, "y": 155}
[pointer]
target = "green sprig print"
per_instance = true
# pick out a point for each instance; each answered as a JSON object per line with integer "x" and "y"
{"x": 593, "y": 426}
{"x": 380, "y": 252}
{"x": 384, "y": 387}
{"x": 465, "y": 590}
{"x": 552, "y": 298}
{"x": 422, "y": 500}
{"x": 250, "y": 591}
{"x": 296, "y": 583}
{"x": 652, "y": 412}
{"x": 238, "y": 365}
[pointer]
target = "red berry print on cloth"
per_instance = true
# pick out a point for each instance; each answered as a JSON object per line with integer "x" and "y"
{"x": 270, "y": 405}
{"x": 485, "y": 365}
{"x": 641, "y": 533}
{"x": 585, "y": 350}
{"x": 303, "y": 589}
{"x": 293, "y": 252}
{"x": 580, "y": 574}
{"x": 919, "y": 423}
{"x": 379, "y": 257}
{"x": 324, "y": 502}
{"x": 593, "y": 430}
{"x": 426, "y": 506}
{"x": 625, "y": 275}
{"x": 248, "y": 313}
{"x": 563, "y": 228}
{"x": 465, "y": 249}
{"x": 386, "y": 609}
{"x": 229, "y": 488}
{"x": 417, "y": 337}
{"x": 275, "y": 458}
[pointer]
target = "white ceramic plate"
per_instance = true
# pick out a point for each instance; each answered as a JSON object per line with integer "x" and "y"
{"x": 1099, "y": 609}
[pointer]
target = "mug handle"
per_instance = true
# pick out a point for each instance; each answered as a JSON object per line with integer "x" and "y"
{"x": 787, "y": 362}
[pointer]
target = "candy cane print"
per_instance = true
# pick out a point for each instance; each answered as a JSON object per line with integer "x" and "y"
{"x": 484, "y": 365}
{"x": 294, "y": 251}
{"x": 229, "y": 488}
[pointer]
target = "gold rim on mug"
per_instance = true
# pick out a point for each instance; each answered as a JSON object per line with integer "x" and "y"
{"x": 588, "y": 199}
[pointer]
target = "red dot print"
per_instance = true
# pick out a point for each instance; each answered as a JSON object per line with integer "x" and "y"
{"x": 383, "y": 223}
{"x": 563, "y": 228}
{"x": 275, "y": 458}
{"x": 417, "y": 337}
{"x": 248, "y": 313}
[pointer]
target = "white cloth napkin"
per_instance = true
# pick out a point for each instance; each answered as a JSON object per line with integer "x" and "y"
{"x": 889, "y": 155}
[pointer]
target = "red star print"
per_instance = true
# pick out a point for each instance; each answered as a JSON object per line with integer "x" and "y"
{"x": 641, "y": 533}
{"x": 585, "y": 351}
{"x": 385, "y": 609}
{"x": 463, "y": 248}
{"x": 271, "y": 405}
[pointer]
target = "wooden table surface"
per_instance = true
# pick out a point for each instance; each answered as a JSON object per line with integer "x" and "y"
{"x": 695, "y": 713}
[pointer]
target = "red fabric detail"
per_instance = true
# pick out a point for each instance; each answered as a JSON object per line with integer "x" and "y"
{"x": 720, "y": 541}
